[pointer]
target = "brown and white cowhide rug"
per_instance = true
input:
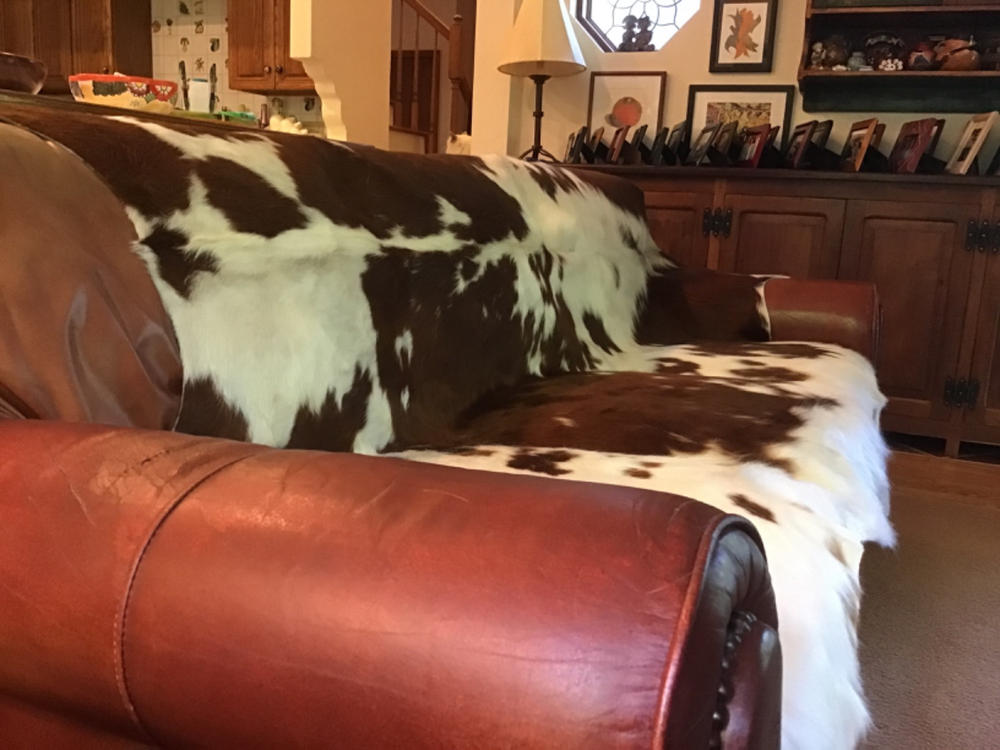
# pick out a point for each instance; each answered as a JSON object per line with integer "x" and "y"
{"x": 490, "y": 314}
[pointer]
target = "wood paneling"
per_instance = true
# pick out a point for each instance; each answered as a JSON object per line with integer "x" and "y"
{"x": 792, "y": 236}
{"x": 914, "y": 252}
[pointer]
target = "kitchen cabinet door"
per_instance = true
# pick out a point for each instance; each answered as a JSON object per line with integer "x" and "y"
{"x": 289, "y": 74}
{"x": 915, "y": 253}
{"x": 40, "y": 29}
{"x": 787, "y": 235}
{"x": 675, "y": 220}
{"x": 251, "y": 45}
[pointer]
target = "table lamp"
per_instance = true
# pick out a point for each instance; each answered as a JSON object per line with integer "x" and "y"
{"x": 541, "y": 46}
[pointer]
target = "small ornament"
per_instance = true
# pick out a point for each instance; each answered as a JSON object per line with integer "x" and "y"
{"x": 857, "y": 61}
{"x": 836, "y": 51}
{"x": 884, "y": 46}
{"x": 922, "y": 57}
{"x": 628, "y": 34}
{"x": 816, "y": 55}
{"x": 644, "y": 37}
{"x": 958, "y": 54}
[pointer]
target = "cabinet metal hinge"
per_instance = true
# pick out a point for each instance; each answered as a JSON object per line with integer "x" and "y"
{"x": 727, "y": 222}
{"x": 995, "y": 241}
{"x": 718, "y": 223}
{"x": 707, "y": 222}
{"x": 961, "y": 393}
{"x": 979, "y": 236}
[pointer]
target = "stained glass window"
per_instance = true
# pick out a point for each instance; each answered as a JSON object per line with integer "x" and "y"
{"x": 634, "y": 25}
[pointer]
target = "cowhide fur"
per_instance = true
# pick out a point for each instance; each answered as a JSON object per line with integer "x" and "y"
{"x": 492, "y": 314}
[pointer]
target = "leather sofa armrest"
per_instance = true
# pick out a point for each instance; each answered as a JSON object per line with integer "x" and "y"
{"x": 834, "y": 312}
{"x": 190, "y": 591}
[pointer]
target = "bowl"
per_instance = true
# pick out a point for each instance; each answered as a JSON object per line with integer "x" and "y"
{"x": 127, "y": 92}
{"x": 22, "y": 74}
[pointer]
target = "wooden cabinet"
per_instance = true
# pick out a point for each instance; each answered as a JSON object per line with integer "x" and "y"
{"x": 676, "y": 221}
{"x": 931, "y": 244}
{"x": 914, "y": 252}
{"x": 259, "y": 37}
{"x": 79, "y": 36}
{"x": 791, "y": 236}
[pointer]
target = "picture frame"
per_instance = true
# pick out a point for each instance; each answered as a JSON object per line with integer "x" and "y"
{"x": 772, "y": 137}
{"x": 626, "y": 98}
{"x": 722, "y": 143}
{"x": 977, "y": 130}
{"x": 617, "y": 144}
{"x": 877, "y": 136}
{"x": 748, "y": 105}
{"x": 798, "y": 145}
{"x": 575, "y": 144}
{"x": 678, "y": 137}
{"x": 858, "y": 141}
{"x": 639, "y": 137}
{"x": 935, "y": 137}
{"x": 700, "y": 146}
{"x": 743, "y": 36}
{"x": 656, "y": 151}
{"x": 755, "y": 140}
{"x": 821, "y": 134}
{"x": 911, "y": 144}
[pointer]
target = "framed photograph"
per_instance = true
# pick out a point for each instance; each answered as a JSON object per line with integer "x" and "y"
{"x": 639, "y": 137}
{"x": 574, "y": 146}
{"x": 877, "y": 136}
{"x": 772, "y": 137}
{"x": 798, "y": 144}
{"x": 935, "y": 137}
{"x": 821, "y": 135}
{"x": 977, "y": 130}
{"x": 617, "y": 144}
{"x": 747, "y": 106}
{"x": 858, "y": 141}
{"x": 700, "y": 145}
{"x": 678, "y": 137}
{"x": 656, "y": 150}
{"x": 743, "y": 36}
{"x": 596, "y": 139}
{"x": 911, "y": 143}
{"x": 994, "y": 169}
{"x": 723, "y": 141}
{"x": 626, "y": 100}
{"x": 754, "y": 142}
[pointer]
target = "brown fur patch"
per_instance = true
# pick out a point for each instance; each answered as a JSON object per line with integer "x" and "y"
{"x": 334, "y": 427}
{"x": 675, "y": 366}
{"x": 755, "y": 509}
{"x": 638, "y": 473}
{"x": 176, "y": 265}
{"x": 541, "y": 462}
{"x": 651, "y": 464}
{"x": 205, "y": 412}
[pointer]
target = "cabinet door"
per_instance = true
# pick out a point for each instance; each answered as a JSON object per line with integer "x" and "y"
{"x": 251, "y": 45}
{"x": 675, "y": 220}
{"x": 40, "y": 29}
{"x": 982, "y": 422}
{"x": 289, "y": 74}
{"x": 914, "y": 252}
{"x": 798, "y": 237}
{"x": 91, "y": 21}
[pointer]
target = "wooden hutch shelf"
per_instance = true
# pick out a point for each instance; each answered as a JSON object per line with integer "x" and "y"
{"x": 905, "y": 90}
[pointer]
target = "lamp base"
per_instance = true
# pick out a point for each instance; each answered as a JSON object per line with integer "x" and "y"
{"x": 536, "y": 152}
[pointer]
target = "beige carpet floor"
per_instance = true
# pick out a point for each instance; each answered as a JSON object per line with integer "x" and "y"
{"x": 930, "y": 624}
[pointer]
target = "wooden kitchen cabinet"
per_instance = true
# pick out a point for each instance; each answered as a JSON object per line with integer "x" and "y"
{"x": 79, "y": 36}
{"x": 914, "y": 252}
{"x": 785, "y": 235}
{"x": 259, "y": 37}
{"x": 983, "y": 416}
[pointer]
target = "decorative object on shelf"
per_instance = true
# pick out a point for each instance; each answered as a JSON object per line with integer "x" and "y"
{"x": 128, "y": 92}
{"x": 821, "y": 134}
{"x": 620, "y": 98}
{"x": 699, "y": 148}
{"x": 830, "y": 54}
{"x": 541, "y": 45}
{"x": 858, "y": 141}
{"x": 19, "y": 73}
{"x": 658, "y": 153}
{"x": 857, "y": 61}
{"x": 748, "y": 106}
{"x": 798, "y": 145}
{"x": 743, "y": 36}
{"x": 935, "y": 137}
{"x": 677, "y": 141}
{"x": 752, "y": 148}
{"x": 922, "y": 57}
{"x": 884, "y": 51}
{"x": 957, "y": 54}
{"x": 574, "y": 146}
{"x": 636, "y": 151}
{"x": 977, "y": 130}
{"x": 911, "y": 144}
{"x": 991, "y": 56}
{"x": 633, "y": 25}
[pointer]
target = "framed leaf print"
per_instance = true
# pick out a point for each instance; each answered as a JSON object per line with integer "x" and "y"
{"x": 743, "y": 36}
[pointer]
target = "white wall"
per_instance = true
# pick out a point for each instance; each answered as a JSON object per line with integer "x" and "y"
{"x": 685, "y": 59}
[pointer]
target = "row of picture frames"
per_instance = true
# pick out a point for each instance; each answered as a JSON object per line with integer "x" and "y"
{"x": 746, "y": 126}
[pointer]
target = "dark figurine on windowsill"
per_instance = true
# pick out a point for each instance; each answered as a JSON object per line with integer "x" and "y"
{"x": 628, "y": 35}
{"x": 644, "y": 39}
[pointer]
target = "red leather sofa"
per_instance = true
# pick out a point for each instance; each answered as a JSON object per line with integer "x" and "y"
{"x": 158, "y": 589}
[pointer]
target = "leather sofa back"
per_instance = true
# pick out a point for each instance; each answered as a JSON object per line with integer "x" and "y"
{"x": 83, "y": 334}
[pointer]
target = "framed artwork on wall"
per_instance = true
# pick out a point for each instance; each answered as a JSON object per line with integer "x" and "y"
{"x": 626, "y": 99}
{"x": 747, "y": 106}
{"x": 977, "y": 130}
{"x": 743, "y": 36}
